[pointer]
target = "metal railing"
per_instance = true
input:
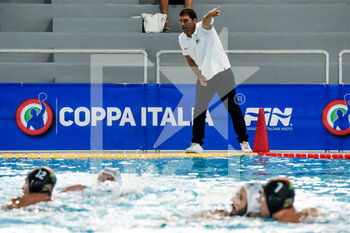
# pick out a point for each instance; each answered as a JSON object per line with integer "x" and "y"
{"x": 83, "y": 51}
{"x": 340, "y": 65}
{"x": 323, "y": 52}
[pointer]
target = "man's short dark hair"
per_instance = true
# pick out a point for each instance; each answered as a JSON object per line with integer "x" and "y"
{"x": 188, "y": 11}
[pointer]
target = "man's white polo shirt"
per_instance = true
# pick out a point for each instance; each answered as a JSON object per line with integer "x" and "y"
{"x": 206, "y": 50}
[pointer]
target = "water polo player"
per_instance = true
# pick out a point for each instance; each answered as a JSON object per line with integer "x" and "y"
{"x": 277, "y": 199}
{"x": 106, "y": 174}
{"x": 244, "y": 203}
{"x": 38, "y": 187}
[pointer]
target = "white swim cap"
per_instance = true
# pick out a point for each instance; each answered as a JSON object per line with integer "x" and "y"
{"x": 113, "y": 172}
{"x": 253, "y": 191}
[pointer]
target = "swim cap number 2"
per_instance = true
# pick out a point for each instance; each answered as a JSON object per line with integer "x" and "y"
{"x": 41, "y": 174}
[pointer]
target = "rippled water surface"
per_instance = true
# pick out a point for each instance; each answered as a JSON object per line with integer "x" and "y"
{"x": 164, "y": 195}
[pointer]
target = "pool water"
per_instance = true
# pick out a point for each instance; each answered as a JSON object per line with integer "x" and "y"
{"x": 164, "y": 195}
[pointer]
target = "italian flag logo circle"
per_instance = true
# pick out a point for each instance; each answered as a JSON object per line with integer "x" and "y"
{"x": 330, "y": 117}
{"x": 30, "y": 117}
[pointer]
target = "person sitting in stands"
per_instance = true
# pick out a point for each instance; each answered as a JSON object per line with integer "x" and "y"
{"x": 164, "y": 4}
{"x": 277, "y": 200}
{"x": 107, "y": 174}
{"x": 38, "y": 187}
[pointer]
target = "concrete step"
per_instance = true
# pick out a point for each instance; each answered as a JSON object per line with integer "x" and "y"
{"x": 94, "y": 1}
{"x": 118, "y": 59}
{"x": 20, "y": 58}
{"x": 25, "y": 1}
{"x": 262, "y": 74}
{"x": 38, "y": 17}
{"x": 236, "y": 18}
{"x": 87, "y": 24}
{"x": 332, "y": 42}
{"x": 251, "y": 58}
{"x": 235, "y": 2}
{"x": 278, "y": 73}
{"x": 273, "y": 17}
{"x": 179, "y": 60}
{"x": 80, "y": 73}
{"x": 90, "y": 41}
{"x": 65, "y": 73}
{"x": 346, "y": 71}
{"x": 245, "y": 19}
{"x": 272, "y": 1}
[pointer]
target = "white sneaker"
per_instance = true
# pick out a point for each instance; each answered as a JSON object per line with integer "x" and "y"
{"x": 195, "y": 148}
{"x": 245, "y": 147}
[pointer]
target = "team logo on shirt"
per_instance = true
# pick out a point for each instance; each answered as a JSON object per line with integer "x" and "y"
{"x": 34, "y": 116}
{"x": 336, "y": 116}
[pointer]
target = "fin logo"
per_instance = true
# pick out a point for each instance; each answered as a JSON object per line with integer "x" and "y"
{"x": 273, "y": 116}
{"x": 34, "y": 116}
{"x": 335, "y": 116}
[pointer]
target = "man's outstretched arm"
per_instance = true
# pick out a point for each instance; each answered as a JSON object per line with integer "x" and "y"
{"x": 207, "y": 19}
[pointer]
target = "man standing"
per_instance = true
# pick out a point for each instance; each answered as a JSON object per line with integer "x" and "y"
{"x": 204, "y": 52}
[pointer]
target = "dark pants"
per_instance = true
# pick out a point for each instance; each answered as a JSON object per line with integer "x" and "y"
{"x": 223, "y": 84}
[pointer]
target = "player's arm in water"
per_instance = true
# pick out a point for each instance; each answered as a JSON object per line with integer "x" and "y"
{"x": 77, "y": 187}
{"x": 212, "y": 214}
{"x": 311, "y": 212}
{"x": 38, "y": 187}
{"x": 107, "y": 174}
{"x": 197, "y": 72}
{"x": 292, "y": 216}
{"x": 27, "y": 200}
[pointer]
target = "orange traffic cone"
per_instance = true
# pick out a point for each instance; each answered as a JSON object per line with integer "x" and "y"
{"x": 261, "y": 143}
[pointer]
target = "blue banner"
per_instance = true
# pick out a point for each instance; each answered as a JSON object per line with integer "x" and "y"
{"x": 151, "y": 116}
